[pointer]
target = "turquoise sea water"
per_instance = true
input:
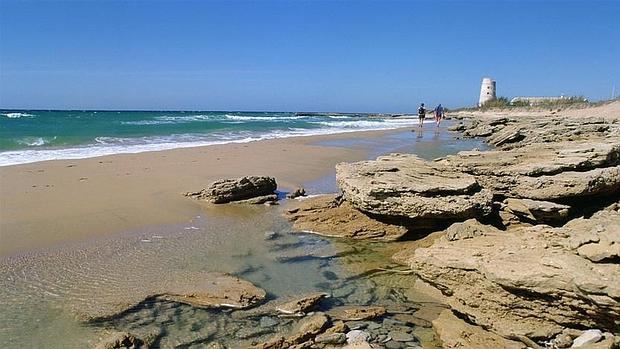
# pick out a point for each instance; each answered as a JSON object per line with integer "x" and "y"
{"x": 35, "y": 135}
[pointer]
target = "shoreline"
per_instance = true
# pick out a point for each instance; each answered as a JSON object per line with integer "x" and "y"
{"x": 52, "y": 202}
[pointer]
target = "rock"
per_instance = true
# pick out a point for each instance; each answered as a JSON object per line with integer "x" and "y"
{"x": 275, "y": 342}
{"x": 412, "y": 320}
{"x": 120, "y": 340}
{"x": 217, "y": 291}
{"x": 358, "y": 345}
{"x": 331, "y": 338}
{"x": 538, "y": 211}
{"x": 337, "y": 327}
{"x": 296, "y": 193}
{"x": 356, "y": 313}
{"x": 545, "y": 172}
{"x": 271, "y": 235}
{"x": 244, "y": 188}
{"x": 528, "y": 280}
{"x": 394, "y": 345}
{"x": 598, "y": 243}
{"x": 455, "y": 333}
{"x": 301, "y": 304}
{"x": 308, "y": 327}
{"x": 404, "y": 186}
{"x": 563, "y": 340}
{"x": 357, "y": 336}
{"x": 199, "y": 289}
{"x": 469, "y": 229}
{"x": 270, "y": 199}
{"x": 400, "y": 336}
{"x": 588, "y": 337}
{"x": 327, "y": 215}
{"x": 267, "y": 321}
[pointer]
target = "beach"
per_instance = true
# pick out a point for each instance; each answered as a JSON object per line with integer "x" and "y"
{"x": 51, "y": 202}
{"x": 66, "y": 216}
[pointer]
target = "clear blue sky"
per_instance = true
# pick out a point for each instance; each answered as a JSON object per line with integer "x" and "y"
{"x": 375, "y": 56}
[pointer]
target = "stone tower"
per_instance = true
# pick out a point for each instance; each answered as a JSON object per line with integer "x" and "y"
{"x": 487, "y": 91}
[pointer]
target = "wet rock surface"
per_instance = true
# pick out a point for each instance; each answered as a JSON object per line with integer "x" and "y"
{"x": 329, "y": 215}
{"x": 204, "y": 290}
{"x": 253, "y": 189}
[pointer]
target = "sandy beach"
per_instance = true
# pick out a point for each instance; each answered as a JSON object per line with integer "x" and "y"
{"x": 46, "y": 203}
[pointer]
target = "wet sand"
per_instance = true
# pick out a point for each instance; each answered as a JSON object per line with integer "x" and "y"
{"x": 53, "y": 202}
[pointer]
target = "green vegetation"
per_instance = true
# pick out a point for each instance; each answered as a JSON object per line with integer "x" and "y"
{"x": 499, "y": 102}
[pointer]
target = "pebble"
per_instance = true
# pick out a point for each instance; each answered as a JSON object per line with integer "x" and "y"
{"x": 357, "y": 336}
{"x": 401, "y": 336}
{"x": 267, "y": 321}
{"x": 394, "y": 345}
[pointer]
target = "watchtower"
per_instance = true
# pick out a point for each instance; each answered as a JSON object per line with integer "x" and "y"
{"x": 487, "y": 91}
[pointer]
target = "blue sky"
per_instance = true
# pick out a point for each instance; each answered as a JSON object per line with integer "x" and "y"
{"x": 375, "y": 56}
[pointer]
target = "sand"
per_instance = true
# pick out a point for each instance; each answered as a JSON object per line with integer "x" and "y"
{"x": 53, "y": 202}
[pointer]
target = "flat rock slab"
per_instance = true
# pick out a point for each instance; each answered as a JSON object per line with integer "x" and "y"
{"x": 327, "y": 215}
{"x": 199, "y": 289}
{"x": 237, "y": 189}
{"x": 455, "y": 333}
{"x": 528, "y": 280}
{"x": 356, "y": 312}
{"x": 403, "y": 185}
{"x": 301, "y": 304}
{"x": 538, "y": 211}
{"x": 548, "y": 171}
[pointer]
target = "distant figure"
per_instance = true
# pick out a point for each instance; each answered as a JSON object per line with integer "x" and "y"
{"x": 438, "y": 114}
{"x": 421, "y": 115}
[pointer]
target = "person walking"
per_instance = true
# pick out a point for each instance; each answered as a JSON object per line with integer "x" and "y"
{"x": 438, "y": 114}
{"x": 421, "y": 115}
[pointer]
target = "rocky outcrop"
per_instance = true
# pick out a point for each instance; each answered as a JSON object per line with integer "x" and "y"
{"x": 531, "y": 281}
{"x": 454, "y": 333}
{"x": 547, "y": 172}
{"x": 253, "y": 189}
{"x": 512, "y": 132}
{"x": 329, "y": 215}
{"x": 403, "y": 186}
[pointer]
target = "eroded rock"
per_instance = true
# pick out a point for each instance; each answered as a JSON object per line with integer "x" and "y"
{"x": 405, "y": 186}
{"x": 328, "y": 215}
{"x": 255, "y": 189}
{"x": 301, "y": 304}
{"x": 527, "y": 281}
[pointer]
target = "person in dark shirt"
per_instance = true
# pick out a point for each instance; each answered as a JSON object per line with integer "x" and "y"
{"x": 421, "y": 115}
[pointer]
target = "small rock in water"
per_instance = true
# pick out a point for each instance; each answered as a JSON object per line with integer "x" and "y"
{"x": 120, "y": 340}
{"x": 401, "y": 336}
{"x": 357, "y": 336}
{"x": 271, "y": 235}
{"x": 394, "y": 345}
{"x": 267, "y": 321}
{"x": 331, "y": 338}
{"x": 330, "y": 275}
{"x": 297, "y": 193}
{"x": 587, "y": 337}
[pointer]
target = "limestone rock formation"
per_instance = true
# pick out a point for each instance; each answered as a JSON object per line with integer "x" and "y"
{"x": 530, "y": 281}
{"x": 405, "y": 186}
{"x": 454, "y": 333}
{"x": 538, "y": 211}
{"x": 328, "y": 215}
{"x": 547, "y": 172}
{"x": 237, "y": 189}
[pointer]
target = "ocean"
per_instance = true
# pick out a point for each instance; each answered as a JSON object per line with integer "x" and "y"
{"x": 35, "y": 135}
